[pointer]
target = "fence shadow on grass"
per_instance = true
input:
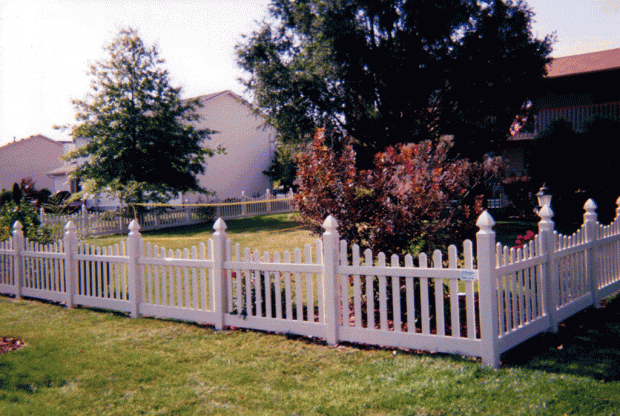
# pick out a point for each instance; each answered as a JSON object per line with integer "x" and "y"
{"x": 586, "y": 344}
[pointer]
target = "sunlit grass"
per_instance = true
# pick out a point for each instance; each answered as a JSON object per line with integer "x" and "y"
{"x": 270, "y": 233}
{"x": 84, "y": 362}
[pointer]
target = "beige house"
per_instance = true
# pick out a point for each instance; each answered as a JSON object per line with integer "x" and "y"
{"x": 33, "y": 157}
{"x": 250, "y": 147}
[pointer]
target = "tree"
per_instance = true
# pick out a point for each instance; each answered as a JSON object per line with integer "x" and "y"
{"x": 283, "y": 169}
{"x": 381, "y": 71}
{"x": 415, "y": 198}
{"x": 141, "y": 141}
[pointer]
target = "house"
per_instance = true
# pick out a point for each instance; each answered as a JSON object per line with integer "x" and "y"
{"x": 576, "y": 88}
{"x": 250, "y": 148}
{"x": 32, "y": 157}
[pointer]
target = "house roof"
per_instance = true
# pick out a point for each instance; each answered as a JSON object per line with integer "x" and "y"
{"x": 63, "y": 170}
{"x": 584, "y": 63}
{"x": 29, "y": 139}
{"x": 214, "y": 95}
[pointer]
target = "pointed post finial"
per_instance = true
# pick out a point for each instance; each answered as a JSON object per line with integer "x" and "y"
{"x": 330, "y": 224}
{"x": 485, "y": 222}
{"x": 220, "y": 225}
{"x": 134, "y": 227}
{"x": 17, "y": 226}
{"x": 70, "y": 227}
{"x": 590, "y": 208}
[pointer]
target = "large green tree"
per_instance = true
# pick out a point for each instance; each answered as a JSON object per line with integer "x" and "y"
{"x": 380, "y": 71}
{"x": 141, "y": 143}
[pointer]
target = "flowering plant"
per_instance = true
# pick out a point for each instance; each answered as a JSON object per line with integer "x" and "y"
{"x": 522, "y": 240}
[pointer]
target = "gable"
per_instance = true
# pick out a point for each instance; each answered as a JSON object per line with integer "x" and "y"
{"x": 31, "y": 157}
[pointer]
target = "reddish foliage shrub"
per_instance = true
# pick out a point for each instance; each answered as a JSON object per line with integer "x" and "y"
{"x": 414, "y": 199}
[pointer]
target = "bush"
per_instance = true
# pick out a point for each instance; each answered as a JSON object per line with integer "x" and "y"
{"x": 27, "y": 215}
{"x": 6, "y": 196}
{"x": 414, "y": 199}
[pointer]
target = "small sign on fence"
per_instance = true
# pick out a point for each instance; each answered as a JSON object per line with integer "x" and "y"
{"x": 468, "y": 275}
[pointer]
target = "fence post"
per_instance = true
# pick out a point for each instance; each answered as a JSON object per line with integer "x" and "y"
{"x": 549, "y": 275}
{"x": 134, "y": 271}
{"x": 291, "y": 202}
{"x": 219, "y": 276}
{"x": 120, "y": 221}
{"x": 70, "y": 247}
{"x": 243, "y": 205}
{"x": 84, "y": 220}
{"x": 268, "y": 198}
{"x": 590, "y": 219}
{"x": 487, "y": 281}
{"x": 18, "y": 264}
{"x": 331, "y": 284}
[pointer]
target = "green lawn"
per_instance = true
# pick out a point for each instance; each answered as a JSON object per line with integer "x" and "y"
{"x": 271, "y": 233}
{"x": 86, "y": 361}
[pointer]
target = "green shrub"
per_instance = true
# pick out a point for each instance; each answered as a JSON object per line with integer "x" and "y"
{"x": 26, "y": 214}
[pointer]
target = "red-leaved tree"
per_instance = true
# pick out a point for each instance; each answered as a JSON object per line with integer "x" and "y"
{"x": 414, "y": 198}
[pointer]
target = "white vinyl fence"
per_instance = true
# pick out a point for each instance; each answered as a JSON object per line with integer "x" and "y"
{"x": 477, "y": 304}
{"x": 112, "y": 222}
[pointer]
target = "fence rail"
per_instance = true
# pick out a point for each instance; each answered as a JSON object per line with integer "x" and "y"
{"x": 113, "y": 222}
{"x": 478, "y": 304}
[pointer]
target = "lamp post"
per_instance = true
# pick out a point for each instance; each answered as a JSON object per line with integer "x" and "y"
{"x": 543, "y": 199}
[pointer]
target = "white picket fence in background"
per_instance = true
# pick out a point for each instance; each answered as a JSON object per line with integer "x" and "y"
{"x": 477, "y": 305}
{"x": 111, "y": 222}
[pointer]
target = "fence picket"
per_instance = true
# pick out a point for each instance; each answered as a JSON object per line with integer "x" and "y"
{"x": 440, "y": 323}
{"x": 287, "y": 287}
{"x": 411, "y": 325}
{"x": 396, "y": 298}
{"x": 298, "y": 288}
{"x": 277, "y": 277}
{"x": 455, "y": 319}
{"x": 309, "y": 285}
{"x": 344, "y": 283}
{"x": 382, "y": 295}
{"x": 357, "y": 287}
{"x": 426, "y": 324}
{"x": 370, "y": 299}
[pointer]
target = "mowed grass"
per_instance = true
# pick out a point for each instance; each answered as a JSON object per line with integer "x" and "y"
{"x": 272, "y": 233}
{"x": 85, "y": 362}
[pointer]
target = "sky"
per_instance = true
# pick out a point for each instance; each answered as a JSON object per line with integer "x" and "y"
{"x": 47, "y": 47}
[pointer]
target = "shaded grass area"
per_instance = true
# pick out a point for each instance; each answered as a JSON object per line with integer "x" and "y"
{"x": 87, "y": 361}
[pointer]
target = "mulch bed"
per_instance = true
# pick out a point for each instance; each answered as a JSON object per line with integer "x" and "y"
{"x": 10, "y": 344}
